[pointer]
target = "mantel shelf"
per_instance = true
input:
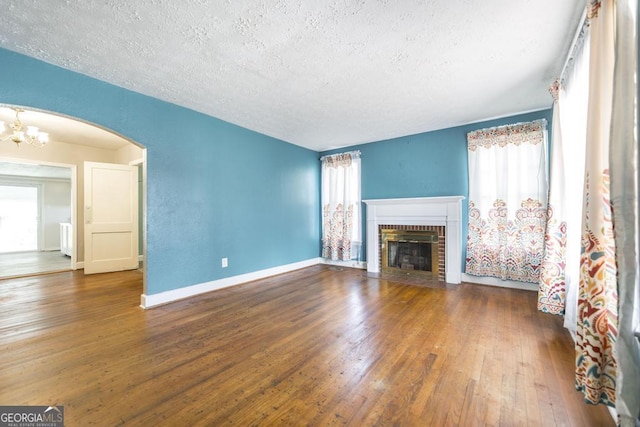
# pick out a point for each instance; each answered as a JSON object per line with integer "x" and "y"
{"x": 415, "y": 200}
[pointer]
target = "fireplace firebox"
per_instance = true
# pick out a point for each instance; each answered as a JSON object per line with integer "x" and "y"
{"x": 413, "y": 253}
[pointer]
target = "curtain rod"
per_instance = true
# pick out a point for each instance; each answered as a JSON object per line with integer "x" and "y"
{"x": 543, "y": 122}
{"x": 356, "y": 152}
{"x": 574, "y": 43}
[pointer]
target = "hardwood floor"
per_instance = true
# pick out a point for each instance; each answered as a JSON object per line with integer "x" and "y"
{"x": 313, "y": 347}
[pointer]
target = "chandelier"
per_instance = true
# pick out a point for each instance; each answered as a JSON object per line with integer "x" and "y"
{"x": 19, "y": 135}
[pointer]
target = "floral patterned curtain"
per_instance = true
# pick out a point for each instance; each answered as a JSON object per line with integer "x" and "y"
{"x": 560, "y": 269}
{"x": 341, "y": 201}
{"x": 597, "y": 327}
{"x": 507, "y": 201}
{"x": 608, "y": 294}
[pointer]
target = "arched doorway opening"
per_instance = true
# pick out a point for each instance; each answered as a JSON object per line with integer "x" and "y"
{"x": 72, "y": 142}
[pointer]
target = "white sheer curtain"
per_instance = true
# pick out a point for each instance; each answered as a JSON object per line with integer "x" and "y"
{"x": 561, "y": 268}
{"x": 572, "y": 102}
{"x": 623, "y": 157}
{"x": 341, "y": 200}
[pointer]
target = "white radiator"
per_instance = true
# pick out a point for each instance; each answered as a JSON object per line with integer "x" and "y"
{"x": 66, "y": 238}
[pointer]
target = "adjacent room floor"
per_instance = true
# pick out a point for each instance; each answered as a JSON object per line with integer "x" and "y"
{"x": 28, "y": 263}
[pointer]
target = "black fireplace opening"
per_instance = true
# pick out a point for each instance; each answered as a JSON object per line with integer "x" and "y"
{"x": 409, "y": 255}
{"x": 409, "y": 252}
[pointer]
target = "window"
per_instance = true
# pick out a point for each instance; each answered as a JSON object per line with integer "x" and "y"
{"x": 341, "y": 216}
{"x": 507, "y": 201}
{"x": 18, "y": 218}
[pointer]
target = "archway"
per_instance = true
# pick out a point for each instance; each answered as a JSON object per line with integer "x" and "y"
{"x": 73, "y": 141}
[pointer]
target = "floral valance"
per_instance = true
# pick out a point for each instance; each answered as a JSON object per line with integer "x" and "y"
{"x": 554, "y": 89}
{"x": 593, "y": 6}
{"x": 340, "y": 160}
{"x": 520, "y": 133}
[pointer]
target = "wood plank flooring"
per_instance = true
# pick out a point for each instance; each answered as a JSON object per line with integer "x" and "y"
{"x": 317, "y": 347}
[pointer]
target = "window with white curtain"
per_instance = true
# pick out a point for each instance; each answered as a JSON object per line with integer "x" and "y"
{"x": 341, "y": 200}
{"x": 507, "y": 201}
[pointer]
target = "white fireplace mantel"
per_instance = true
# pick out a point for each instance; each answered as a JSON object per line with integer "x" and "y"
{"x": 443, "y": 211}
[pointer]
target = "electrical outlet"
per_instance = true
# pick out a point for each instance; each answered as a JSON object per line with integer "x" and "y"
{"x": 225, "y": 262}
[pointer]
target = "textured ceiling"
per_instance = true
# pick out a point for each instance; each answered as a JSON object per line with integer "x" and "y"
{"x": 322, "y": 74}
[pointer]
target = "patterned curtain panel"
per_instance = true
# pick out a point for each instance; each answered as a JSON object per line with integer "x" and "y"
{"x": 552, "y": 287}
{"x": 507, "y": 201}
{"x": 623, "y": 159}
{"x": 597, "y": 327}
{"x": 341, "y": 201}
{"x": 560, "y": 269}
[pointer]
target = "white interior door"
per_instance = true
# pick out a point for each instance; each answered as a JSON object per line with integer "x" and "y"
{"x": 110, "y": 217}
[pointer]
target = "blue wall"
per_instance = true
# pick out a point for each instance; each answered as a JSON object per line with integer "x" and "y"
{"x": 213, "y": 189}
{"x": 218, "y": 190}
{"x": 429, "y": 164}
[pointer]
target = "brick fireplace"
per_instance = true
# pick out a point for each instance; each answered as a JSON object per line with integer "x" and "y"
{"x": 442, "y": 214}
{"x": 434, "y": 269}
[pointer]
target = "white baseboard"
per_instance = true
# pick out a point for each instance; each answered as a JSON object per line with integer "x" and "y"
{"x": 80, "y": 264}
{"x": 353, "y": 264}
{"x": 494, "y": 281}
{"x": 149, "y": 301}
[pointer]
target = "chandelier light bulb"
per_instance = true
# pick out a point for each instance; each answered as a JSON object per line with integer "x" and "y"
{"x": 32, "y": 131}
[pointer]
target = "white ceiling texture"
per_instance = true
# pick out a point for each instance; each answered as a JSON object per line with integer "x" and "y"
{"x": 319, "y": 74}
